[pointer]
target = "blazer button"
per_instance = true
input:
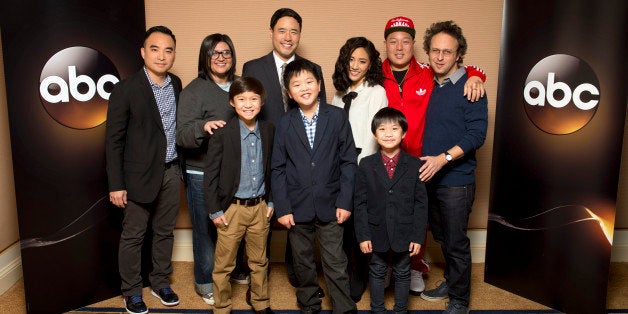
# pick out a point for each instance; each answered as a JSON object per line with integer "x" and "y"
{"x": 313, "y": 164}
{"x": 390, "y": 191}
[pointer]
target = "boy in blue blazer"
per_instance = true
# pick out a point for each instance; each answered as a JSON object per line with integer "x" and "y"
{"x": 313, "y": 174}
{"x": 390, "y": 209}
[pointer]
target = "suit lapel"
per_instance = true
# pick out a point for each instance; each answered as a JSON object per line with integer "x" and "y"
{"x": 321, "y": 125}
{"x": 380, "y": 171}
{"x": 232, "y": 141}
{"x": 147, "y": 90}
{"x": 271, "y": 72}
{"x": 299, "y": 127}
{"x": 400, "y": 170}
{"x": 266, "y": 143}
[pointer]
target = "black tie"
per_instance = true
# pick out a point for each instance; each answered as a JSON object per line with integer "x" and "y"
{"x": 348, "y": 98}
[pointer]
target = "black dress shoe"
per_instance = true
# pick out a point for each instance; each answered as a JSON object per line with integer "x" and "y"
{"x": 265, "y": 311}
{"x": 320, "y": 293}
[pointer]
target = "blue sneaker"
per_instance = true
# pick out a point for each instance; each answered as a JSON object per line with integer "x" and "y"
{"x": 135, "y": 305}
{"x": 166, "y": 296}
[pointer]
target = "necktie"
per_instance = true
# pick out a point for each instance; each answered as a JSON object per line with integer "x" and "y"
{"x": 347, "y": 100}
{"x": 284, "y": 96}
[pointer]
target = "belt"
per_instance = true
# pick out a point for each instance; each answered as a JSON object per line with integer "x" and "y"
{"x": 171, "y": 163}
{"x": 247, "y": 201}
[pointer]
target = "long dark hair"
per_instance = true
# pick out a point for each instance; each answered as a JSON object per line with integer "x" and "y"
{"x": 374, "y": 75}
{"x": 208, "y": 44}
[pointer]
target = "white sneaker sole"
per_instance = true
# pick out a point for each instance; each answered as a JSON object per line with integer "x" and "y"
{"x": 129, "y": 311}
{"x": 432, "y": 299}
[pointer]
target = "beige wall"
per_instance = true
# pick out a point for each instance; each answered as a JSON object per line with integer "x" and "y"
{"x": 326, "y": 26}
{"x": 8, "y": 214}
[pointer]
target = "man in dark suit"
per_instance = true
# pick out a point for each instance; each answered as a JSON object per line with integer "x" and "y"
{"x": 285, "y": 32}
{"x": 313, "y": 172}
{"x": 142, "y": 167}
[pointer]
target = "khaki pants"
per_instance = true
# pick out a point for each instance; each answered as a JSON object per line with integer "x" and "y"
{"x": 250, "y": 223}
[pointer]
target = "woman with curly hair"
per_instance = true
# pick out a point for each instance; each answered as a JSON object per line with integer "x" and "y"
{"x": 358, "y": 77}
{"x": 358, "y": 80}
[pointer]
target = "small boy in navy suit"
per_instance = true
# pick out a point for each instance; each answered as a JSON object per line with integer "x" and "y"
{"x": 313, "y": 176}
{"x": 237, "y": 193}
{"x": 390, "y": 209}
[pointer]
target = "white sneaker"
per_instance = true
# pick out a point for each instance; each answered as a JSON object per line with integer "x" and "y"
{"x": 416, "y": 282}
{"x": 208, "y": 298}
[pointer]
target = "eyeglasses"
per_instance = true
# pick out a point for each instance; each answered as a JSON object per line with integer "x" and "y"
{"x": 215, "y": 54}
{"x": 445, "y": 52}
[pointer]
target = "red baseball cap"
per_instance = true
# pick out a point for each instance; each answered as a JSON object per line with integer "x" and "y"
{"x": 399, "y": 23}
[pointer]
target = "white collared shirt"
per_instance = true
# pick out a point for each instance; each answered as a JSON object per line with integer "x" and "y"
{"x": 278, "y": 63}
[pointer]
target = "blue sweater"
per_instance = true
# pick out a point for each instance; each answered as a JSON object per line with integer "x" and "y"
{"x": 453, "y": 120}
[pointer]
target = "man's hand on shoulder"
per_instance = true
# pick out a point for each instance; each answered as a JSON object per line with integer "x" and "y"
{"x": 474, "y": 88}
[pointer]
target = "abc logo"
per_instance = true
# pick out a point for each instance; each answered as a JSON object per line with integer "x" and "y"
{"x": 561, "y": 94}
{"x": 75, "y": 85}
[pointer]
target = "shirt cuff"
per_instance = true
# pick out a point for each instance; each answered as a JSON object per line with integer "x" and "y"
{"x": 216, "y": 214}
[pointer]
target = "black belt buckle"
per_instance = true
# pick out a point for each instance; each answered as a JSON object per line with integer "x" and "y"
{"x": 247, "y": 201}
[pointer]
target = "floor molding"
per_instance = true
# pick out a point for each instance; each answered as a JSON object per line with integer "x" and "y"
{"x": 10, "y": 267}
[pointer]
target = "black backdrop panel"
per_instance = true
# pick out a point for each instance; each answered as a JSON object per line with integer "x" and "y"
{"x": 561, "y": 109}
{"x": 61, "y": 60}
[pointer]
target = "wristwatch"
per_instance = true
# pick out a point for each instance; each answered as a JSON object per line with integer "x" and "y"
{"x": 448, "y": 157}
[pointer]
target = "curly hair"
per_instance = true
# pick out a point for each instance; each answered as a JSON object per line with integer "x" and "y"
{"x": 374, "y": 75}
{"x": 449, "y": 28}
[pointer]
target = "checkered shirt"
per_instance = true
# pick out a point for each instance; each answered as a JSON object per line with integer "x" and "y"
{"x": 166, "y": 102}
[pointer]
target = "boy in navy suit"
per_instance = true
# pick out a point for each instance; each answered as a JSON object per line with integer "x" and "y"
{"x": 237, "y": 187}
{"x": 313, "y": 175}
{"x": 390, "y": 209}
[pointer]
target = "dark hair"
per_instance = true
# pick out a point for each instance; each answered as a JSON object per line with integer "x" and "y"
{"x": 283, "y": 12}
{"x": 208, "y": 44}
{"x": 246, "y": 84}
{"x": 159, "y": 29}
{"x": 388, "y": 114}
{"x": 374, "y": 75}
{"x": 297, "y": 66}
{"x": 449, "y": 28}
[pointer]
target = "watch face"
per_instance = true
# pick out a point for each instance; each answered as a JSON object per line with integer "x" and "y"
{"x": 448, "y": 157}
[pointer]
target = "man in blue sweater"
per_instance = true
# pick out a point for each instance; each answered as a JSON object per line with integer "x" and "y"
{"x": 454, "y": 129}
